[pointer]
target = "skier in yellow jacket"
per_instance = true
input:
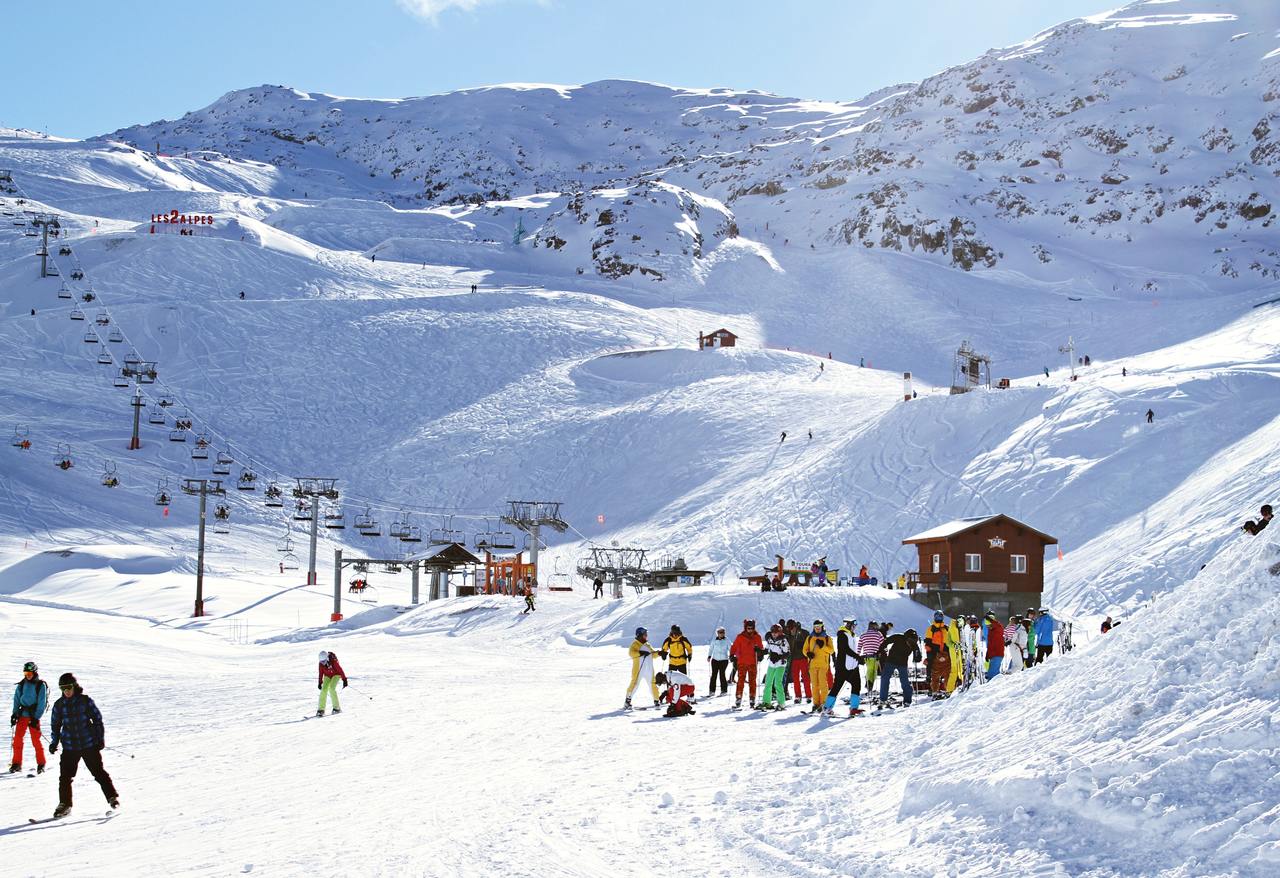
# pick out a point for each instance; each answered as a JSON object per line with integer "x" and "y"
{"x": 678, "y": 649}
{"x": 641, "y": 653}
{"x": 818, "y": 649}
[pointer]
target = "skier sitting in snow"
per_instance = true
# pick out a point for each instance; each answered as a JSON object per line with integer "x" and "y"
{"x": 330, "y": 673}
{"x": 679, "y": 692}
{"x": 78, "y": 729}
{"x": 641, "y": 653}
{"x": 1253, "y": 528}
{"x": 30, "y": 697}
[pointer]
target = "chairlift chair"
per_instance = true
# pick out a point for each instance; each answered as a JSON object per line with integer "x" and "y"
{"x": 104, "y": 359}
{"x": 62, "y": 459}
{"x": 391, "y": 567}
{"x": 51, "y": 270}
{"x": 201, "y": 451}
{"x": 119, "y": 380}
{"x": 302, "y": 511}
{"x": 399, "y": 528}
{"x": 442, "y": 536}
{"x": 76, "y": 313}
{"x": 335, "y": 519}
{"x": 367, "y": 525}
{"x": 91, "y": 337}
{"x": 222, "y": 464}
{"x": 248, "y": 480}
{"x": 165, "y": 401}
{"x": 64, "y": 250}
{"x": 285, "y": 546}
{"x": 21, "y": 438}
{"x": 221, "y": 516}
{"x": 162, "y": 492}
{"x": 87, "y": 297}
{"x": 102, "y": 318}
{"x": 177, "y": 435}
{"x": 274, "y": 496}
{"x": 413, "y": 536}
{"x": 77, "y": 274}
{"x": 64, "y": 292}
{"x": 115, "y": 336}
{"x": 109, "y": 477}
{"x": 502, "y": 539}
{"x": 156, "y": 415}
{"x": 289, "y": 561}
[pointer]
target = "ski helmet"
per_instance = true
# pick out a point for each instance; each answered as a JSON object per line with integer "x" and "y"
{"x": 937, "y": 617}
{"x": 30, "y": 666}
{"x": 324, "y": 655}
{"x": 67, "y": 679}
{"x": 911, "y": 634}
{"x": 850, "y": 620}
{"x": 817, "y": 623}
{"x": 641, "y": 632}
{"x": 990, "y": 615}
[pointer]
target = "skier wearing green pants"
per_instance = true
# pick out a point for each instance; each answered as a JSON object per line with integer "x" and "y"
{"x": 775, "y": 696}
{"x": 330, "y": 673}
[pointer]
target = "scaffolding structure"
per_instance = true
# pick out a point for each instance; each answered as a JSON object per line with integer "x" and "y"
{"x": 970, "y": 369}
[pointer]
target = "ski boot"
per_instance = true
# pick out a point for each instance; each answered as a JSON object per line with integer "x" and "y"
{"x": 830, "y": 711}
{"x": 61, "y": 811}
{"x": 763, "y": 706}
{"x": 15, "y": 767}
{"x": 39, "y": 769}
{"x": 626, "y": 705}
{"x": 797, "y": 701}
{"x": 336, "y": 711}
{"x": 114, "y": 802}
{"x": 856, "y": 711}
{"x": 779, "y": 706}
{"x": 737, "y": 705}
{"x": 320, "y": 712}
{"x": 657, "y": 703}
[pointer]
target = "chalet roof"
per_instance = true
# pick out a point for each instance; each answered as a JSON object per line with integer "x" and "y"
{"x": 723, "y": 331}
{"x": 452, "y": 555}
{"x": 961, "y": 525}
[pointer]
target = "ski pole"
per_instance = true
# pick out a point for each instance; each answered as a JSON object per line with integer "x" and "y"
{"x": 104, "y": 746}
{"x": 358, "y": 692}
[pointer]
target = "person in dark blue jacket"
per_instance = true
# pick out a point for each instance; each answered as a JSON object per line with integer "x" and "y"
{"x": 78, "y": 729}
{"x": 30, "y": 698}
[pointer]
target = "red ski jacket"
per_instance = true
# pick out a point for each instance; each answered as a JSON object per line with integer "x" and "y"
{"x": 331, "y": 668}
{"x": 743, "y": 652}
{"x": 995, "y": 640}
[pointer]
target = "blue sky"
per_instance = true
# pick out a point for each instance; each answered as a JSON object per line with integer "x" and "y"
{"x": 90, "y": 68}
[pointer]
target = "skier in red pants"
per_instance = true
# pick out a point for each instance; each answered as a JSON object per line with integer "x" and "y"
{"x": 30, "y": 697}
{"x": 745, "y": 652}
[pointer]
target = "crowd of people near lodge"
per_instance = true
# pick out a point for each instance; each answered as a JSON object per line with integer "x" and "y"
{"x": 809, "y": 667}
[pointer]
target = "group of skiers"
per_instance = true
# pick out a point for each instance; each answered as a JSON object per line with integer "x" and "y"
{"x": 76, "y": 727}
{"x": 815, "y": 665}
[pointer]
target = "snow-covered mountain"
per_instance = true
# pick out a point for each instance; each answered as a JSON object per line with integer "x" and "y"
{"x": 1147, "y": 137}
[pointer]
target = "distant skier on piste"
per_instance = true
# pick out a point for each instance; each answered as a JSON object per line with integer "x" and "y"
{"x": 30, "y": 698}
{"x": 641, "y": 653}
{"x": 77, "y": 727}
{"x": 848, "y": 663}
{"x": 529, "y": 590}
{"x": 746, "y": 651}
{"x": 330, "y": 673}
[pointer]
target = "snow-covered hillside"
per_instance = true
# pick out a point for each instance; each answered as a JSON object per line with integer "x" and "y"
{"x": 1146, "y": 137}
{"x": 451, "y": 302}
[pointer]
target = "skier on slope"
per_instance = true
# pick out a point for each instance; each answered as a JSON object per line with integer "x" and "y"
{"x": 896, "y": 651}
{"x": 597, "y": 588}
{"x": 30, "y": 697}
{"x": 77, "y": 728}
{"x": 678, "y": 649}
{"x": 868, "y": 646}
{"x": 1045, "y": 629}
{"x": 330, "y": 673}
{"x": 529, "y": 589}
{"x": 995, "y": 645}
{"x": 718, "y": 656}
{"x": 746, "y": 651}
{"x": 1029, "y": 623}
{"x": 796, "y": 636}
{"x": 641, "y": 653}
{"x": 818, "y": 649}
{"x": 848, "y": 662}
{"x": 776, "y": 645}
